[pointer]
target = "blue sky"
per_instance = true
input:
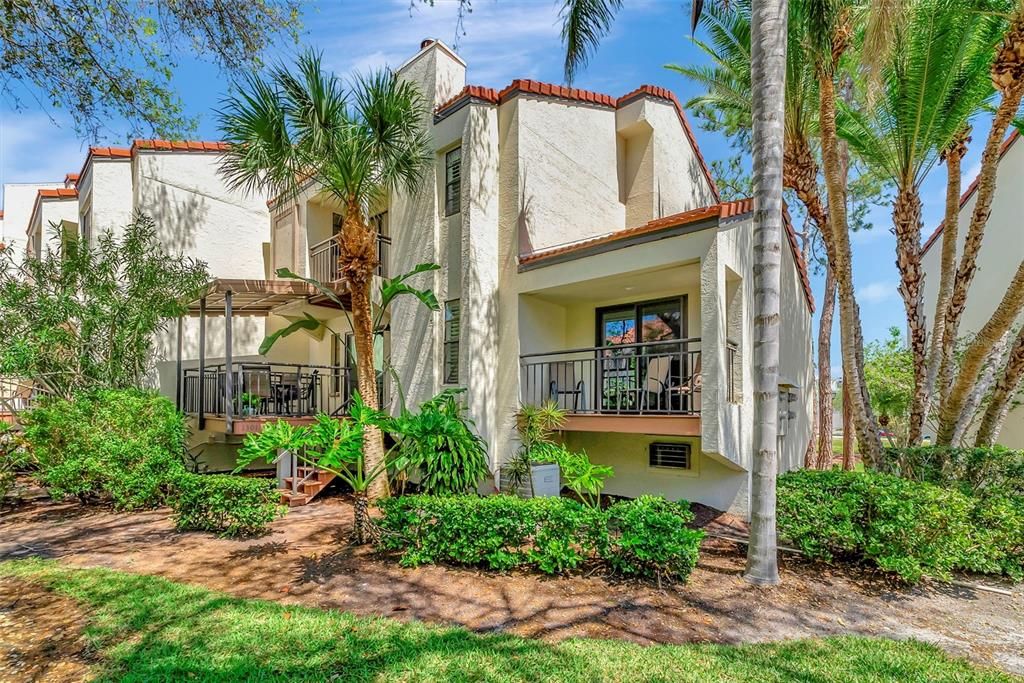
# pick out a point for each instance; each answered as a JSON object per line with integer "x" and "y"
{"x": 504, "y": 39}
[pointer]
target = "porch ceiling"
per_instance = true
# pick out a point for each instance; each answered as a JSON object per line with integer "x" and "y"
{"x": 259, "y": 297}
{"x": 636, "y": 284}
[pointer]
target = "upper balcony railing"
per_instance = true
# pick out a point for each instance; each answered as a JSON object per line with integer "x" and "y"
{"x": 651, "y": 378}
{"x": 323, "y": 259}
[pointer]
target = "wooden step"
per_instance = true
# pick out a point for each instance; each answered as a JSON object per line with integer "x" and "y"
{"x": 293, "y": 500}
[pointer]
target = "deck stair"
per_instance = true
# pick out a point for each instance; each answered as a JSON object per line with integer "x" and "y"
{"x": 305, "y": 486}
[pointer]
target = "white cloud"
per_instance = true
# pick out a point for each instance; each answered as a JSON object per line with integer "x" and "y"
{"x": 502, "y": 40}
{"x": 876, "y": 292}
{"x": 34, "y": 149}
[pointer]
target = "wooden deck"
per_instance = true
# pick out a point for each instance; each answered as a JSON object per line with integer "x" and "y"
{"x": 250, "y": 424}
{"x": 658, "y": 425}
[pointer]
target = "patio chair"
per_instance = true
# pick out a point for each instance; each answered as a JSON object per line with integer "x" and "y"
{"x": 656, "y": 382}
{"x": 690, "y": 387}
{"x": 256, "y": 382}
{"x": 564, "y": 383}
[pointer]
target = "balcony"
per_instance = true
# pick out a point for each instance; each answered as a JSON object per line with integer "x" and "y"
{"x": 651, "y": 387}
{"x": 263, "y": 391}
{"x": 323, "y": 259}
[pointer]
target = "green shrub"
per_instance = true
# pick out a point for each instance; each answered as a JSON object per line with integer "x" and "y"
{"x": 497, "y": 532}
{"x": 649, "y": 537}
{"x": 121, "y": 446}
{"x": 440, "y": 443}
{"x": 224, "y": 503}
{"x": 906, "y": 527}
{"x": 975, "y": 471}
{"x": 644, "y": 538}
{"x": 13, "y": 458}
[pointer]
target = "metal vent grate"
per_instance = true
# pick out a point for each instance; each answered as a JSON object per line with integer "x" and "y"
{"x": 674, "y": 455}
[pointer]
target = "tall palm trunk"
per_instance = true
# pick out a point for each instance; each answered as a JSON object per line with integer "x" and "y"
{"x": 952, "y": 155}
{"x": 768, "y": 76}
{"x": 842, "y": 264}
{"x": 1008, "y": 77}
{"x": 357, "y": 261}
{"x": 906, "y": 216}
{"x": 825, "y": 395}
{"x": 1005, "y": 389}
{"x": 994, "y": 331}
{"x": 800, "y": 174}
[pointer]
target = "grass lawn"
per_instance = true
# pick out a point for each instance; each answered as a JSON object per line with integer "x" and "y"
{"x": 149, "y": 629}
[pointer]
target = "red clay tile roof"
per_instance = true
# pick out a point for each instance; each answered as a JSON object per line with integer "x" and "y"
{"x": 477, "y": 92}
{"x": 70, "y": 178}
{"x": 721, "y": 211}
{"x": 110, "y": 152}
{"x": 1, "y": 213}
{"x": 529, "y": 87}
{"x": 971, "y": 189}
{"x": 666, "y": 94}
{"x": 58, "y": 193}
{"x": 180, "y": 146}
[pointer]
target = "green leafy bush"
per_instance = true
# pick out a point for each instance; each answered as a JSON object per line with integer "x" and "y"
{"x": 975, "y": 471}
{"x": 225, "y": 503}
{"x": 440, "y": 443}
{"x": 649, "y": 537}
{"x": 644, "y": 538}
{"x": 554, "y": 535}
{"x": 909, "y": 528}
{"x": 121, "y": 446}
{"x": 13, "y": 458}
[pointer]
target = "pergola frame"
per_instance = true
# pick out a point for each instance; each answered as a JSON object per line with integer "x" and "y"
{"x": 230, "y": 298}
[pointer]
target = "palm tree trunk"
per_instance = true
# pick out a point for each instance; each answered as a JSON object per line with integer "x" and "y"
{"x": 824, "y": 435}
{"x": 996, "y": 361}
{"x": 952, "y": 410}
{"x": 768, "y": 76}
{"x": 1008, "y": 77}
{"x": 849, "y": 313}
{"x": 952, "y": 155}
{"x": 906, "y": 216}
{"x": 849, "y": 440}
{"x": 1005, "y": 389}
{"x": 357, "y": 261}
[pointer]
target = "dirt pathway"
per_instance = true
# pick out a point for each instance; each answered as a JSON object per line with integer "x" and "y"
{"x": 305, "y": 559}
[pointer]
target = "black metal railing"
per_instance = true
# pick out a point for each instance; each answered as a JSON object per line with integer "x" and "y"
{"x": 323, "y": 259}
{"x": 267, "y": 389}
{"x": 652, "y": 378}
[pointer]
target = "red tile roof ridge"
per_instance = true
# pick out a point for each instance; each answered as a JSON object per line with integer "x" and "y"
{"x": 469, "y": 92}
{"x": 971, "y": 189}
{"x": 58, "y": 193}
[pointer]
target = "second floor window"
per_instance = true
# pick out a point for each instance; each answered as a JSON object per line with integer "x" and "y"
{"x": 453, "y": 182}
{"x": 452, "y": 332}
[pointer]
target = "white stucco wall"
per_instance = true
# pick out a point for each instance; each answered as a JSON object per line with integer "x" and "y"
{"x": 19, "y": 198}
{"x": 105, "y": 190}
{"x": 56, "y": 211}
{"x": 1002, "y": 251}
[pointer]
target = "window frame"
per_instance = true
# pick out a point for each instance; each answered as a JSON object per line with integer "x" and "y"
{"x": 452, "y": 185}
{"x": 449, "y": 341}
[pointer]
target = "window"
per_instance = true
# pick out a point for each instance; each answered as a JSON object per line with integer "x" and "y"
{"x": 379, "y": 223}
{"x": 86, "y": 227}
{"x": 336, "y": 220}
{"x": 453, "y": 181}
{"x": 452, "y": 330}
{"x": 671, "y": 455}
{"x": 337, "y": 358}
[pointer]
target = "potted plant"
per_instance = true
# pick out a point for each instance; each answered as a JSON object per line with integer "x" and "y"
{"x": 531, "y": 472}
{"x": 249, "y": 404}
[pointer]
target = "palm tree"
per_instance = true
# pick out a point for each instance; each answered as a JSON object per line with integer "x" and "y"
{"x": 828, "y": 31}
{"x": 1008, "y": 78}
{"x": 727, "y": 102}
{"x": 288, "y": 128}
{"x": 584, "y": 23}
{"x": 934, "y": 81}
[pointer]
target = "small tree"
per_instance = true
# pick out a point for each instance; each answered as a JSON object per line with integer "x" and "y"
{"x": 82, "y": 316}
{"x": 889, "y": 374}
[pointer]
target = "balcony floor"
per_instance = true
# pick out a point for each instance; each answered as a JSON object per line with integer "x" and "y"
{"x": 657, "y": 425}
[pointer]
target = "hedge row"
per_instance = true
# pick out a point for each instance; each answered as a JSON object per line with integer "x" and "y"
{"x": 225, "y": 503}
{"x": 911, "y": 528}
{"x": 646, "y": 537}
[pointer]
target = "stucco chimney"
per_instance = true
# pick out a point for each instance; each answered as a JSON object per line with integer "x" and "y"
{"x": 439, "y": 73}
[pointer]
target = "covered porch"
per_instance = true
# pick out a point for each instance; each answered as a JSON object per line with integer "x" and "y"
{"x": 237, "y": 396}
{"x": 619, "y": 353}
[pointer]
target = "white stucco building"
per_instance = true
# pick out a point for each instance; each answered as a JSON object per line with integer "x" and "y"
{"x": 194, "y": 213}
{"x": 585, "y": 258}
{"x": 1002, "y": 251}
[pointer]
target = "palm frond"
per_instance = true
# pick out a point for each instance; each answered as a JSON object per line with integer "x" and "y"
{"x": 584, "y": 24}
